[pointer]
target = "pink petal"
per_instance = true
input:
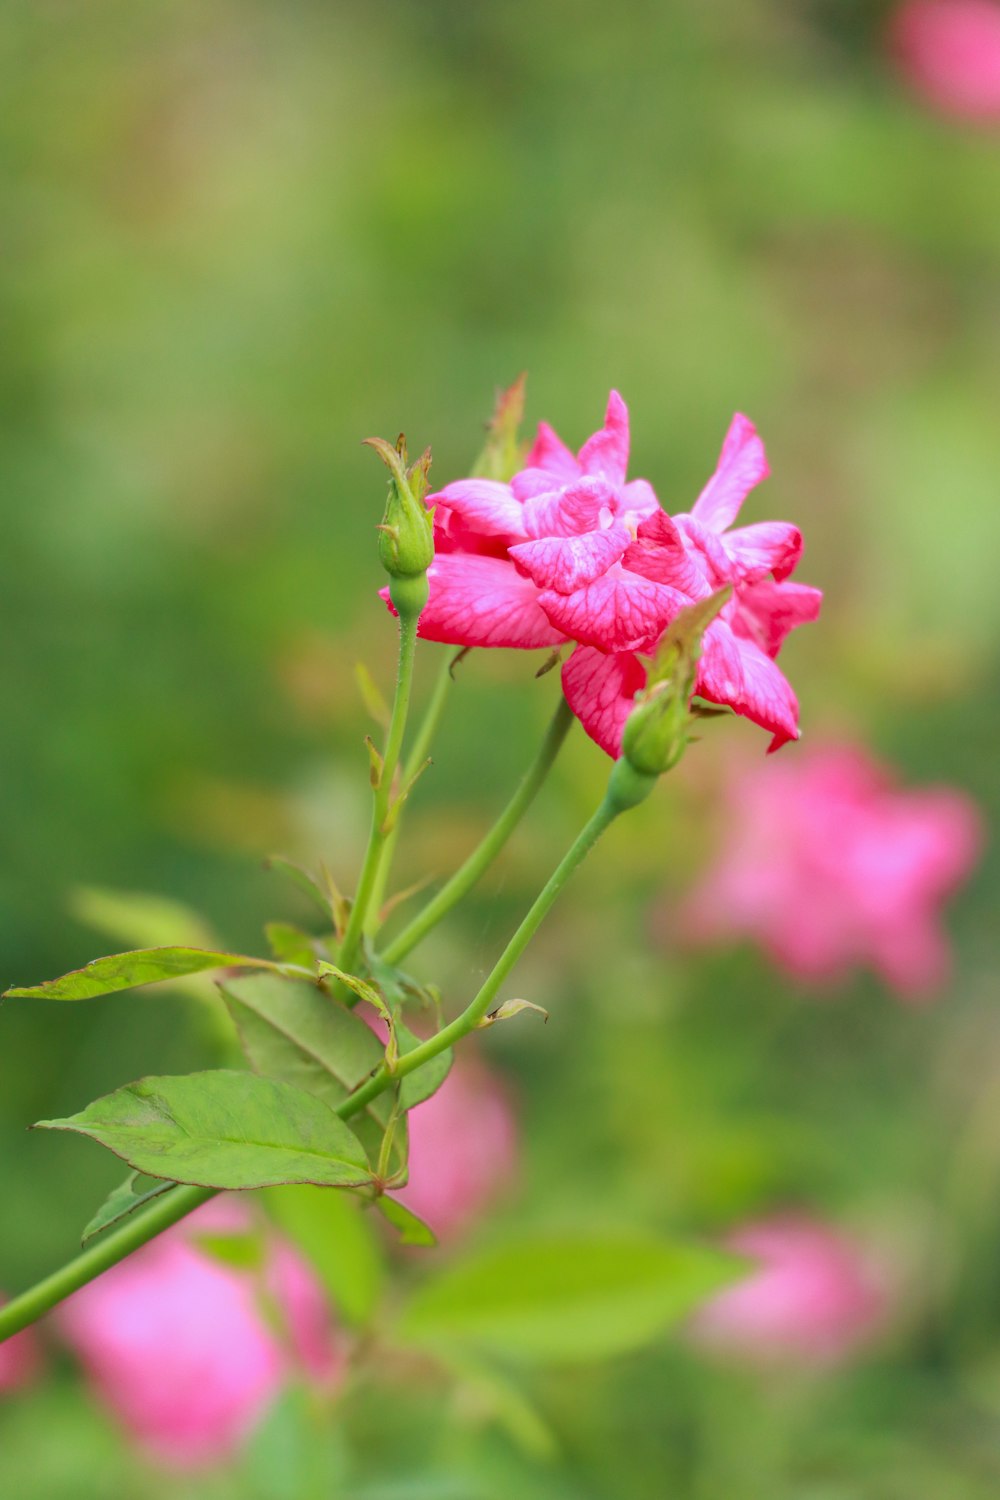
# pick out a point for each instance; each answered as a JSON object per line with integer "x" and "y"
{"x": 913, "y": 956}
{"x": 769, "y": 547}
{"x": 482, "y": 601}
{"x": 549, "y": 452}
{"x": 484, "y": 506}
{"x": 707, "y": 551}
{"x": 569, "y": 511}
{"x": 529, "y": 483}
{"x": 568, "y": 563}
{"x": 766, "y": 611}
{"x": 659, "y": 552}
{"x": 734, "y": 671}
{"x": 606, "y": 453}
{"x": 600, "y": 690}
{"x": 742, "y": 464}
{"x": 619, "y": 612}
{"x": 638, "y": 498}
{"x": 452, "y": 535}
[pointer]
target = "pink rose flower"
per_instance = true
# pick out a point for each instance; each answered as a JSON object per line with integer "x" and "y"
{"x": 949, "y": 53}
{"x": 829, "y": 866}
{"x": 571, "y": 551}
{"x": 813, "y": 1300}
{"x": 463, "y": 1149}
{"x": 181, "y": 1347}
{"x": 20, "y": 1360}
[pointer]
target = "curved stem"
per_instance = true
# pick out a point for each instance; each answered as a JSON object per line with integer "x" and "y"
{"x": 414, "y": 761}
{"x": 479, "y": 1007}
{"x": 486, "y": 852}
{"x": 626, "y": 788}
{"x": 380, "y": 832}
{"x": 168, "y": 1210}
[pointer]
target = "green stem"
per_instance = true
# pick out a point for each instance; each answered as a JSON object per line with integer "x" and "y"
{"x": 161, "y": 1214}
{"x": 486, "y": 852}
{"x": 379, "y": 834}
{"x": 626, "y": 788}
{"x": 414, "y": 762}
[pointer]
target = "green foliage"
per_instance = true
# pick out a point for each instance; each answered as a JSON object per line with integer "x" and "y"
{"x": 294, "y": 1031}
{"x": 507, "y": 1009}
{"x": 301, "y": 879}
{"x": 566, "y": 1298}
{"x": 151, "y": 921}
{"x": 290, "y": 945}
{"x": 412, "y": 1229}
{"x": 502, "y": 452}
{"x": 223, "y": 1130}
{"x": 129, "y": 971}
{"x": 202, "y": 281}
{"x": 657, "y": 731}
{"x": 120, "y": 1202}
{"x": 406, "y": 535}
{"x": 428, "y": 1078}
{"x": 242, "y": 1250}
{"x": 337, "y": 1237}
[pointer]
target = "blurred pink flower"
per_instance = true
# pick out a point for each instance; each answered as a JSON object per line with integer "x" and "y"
{"x": 829, "y": 866}
{"x": 571, "y": 551}
{"x": 814, "y": 1299}
{"x": 182, "y": 1348}
{"x": 463, "y": 1149}
{"x": 949, "y": 53}
{"x": 20, "y": 1360}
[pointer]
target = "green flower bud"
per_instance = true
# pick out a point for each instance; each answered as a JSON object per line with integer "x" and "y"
{"x": 406, "y": 535}
{"x": 655, "y": 734}
{"x": 657, "y": 730}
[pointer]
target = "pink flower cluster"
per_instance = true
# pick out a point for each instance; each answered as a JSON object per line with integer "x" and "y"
{"x": 180, "y": 1347}
{"x": 570, "y": 551}
{"x": 949, "y": 53}
{"x": 829, "y": 865}
{"x": 813, "y": 1299}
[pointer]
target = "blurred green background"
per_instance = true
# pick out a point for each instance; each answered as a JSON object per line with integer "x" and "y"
{"x": 241, "y": 237}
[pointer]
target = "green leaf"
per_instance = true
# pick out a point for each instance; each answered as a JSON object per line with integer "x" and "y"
{"x": 290, "y": 945}
{"x": 138, "y": 917}
{"x": 122, "y": 1201}
{"x": 294, "y": 1031}
{"x": 291, "y": 1454}
{"x": 302, "y": 880}
{"x": 335, "y": 1235}
{"x": 243, "y": 1251}
{"x": 412, "y": 1230}
{"x": 127, "y": 971}
{"x": 398, "y": 987}
{"x": 370, "y": 995}
{"x": 223, "y": 1130}
{"x": 569, "y": 1298}
{"x": 501, "y": 1397}
{"x": 510, "y": 1008}
{"x": 394, "y": 988}
{"x": 372, "y": 695}
{"x": 501, "y": 456}
{"x": 360, "y": 987}
{"x": 428, "y": 1078}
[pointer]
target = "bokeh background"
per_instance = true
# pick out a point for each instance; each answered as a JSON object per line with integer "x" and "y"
{"x": 238, "y": 239}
